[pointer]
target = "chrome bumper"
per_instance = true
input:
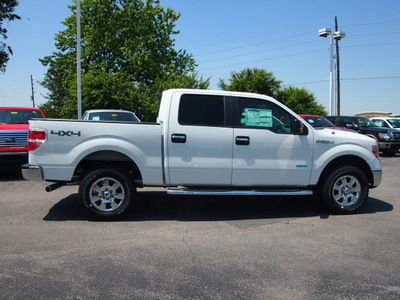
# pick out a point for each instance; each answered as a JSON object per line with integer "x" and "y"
{"x": 377, "y": 177}
{"x": 32, "y": 172}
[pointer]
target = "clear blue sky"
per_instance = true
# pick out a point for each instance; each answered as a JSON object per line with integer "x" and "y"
{"x": 225, "y": 36}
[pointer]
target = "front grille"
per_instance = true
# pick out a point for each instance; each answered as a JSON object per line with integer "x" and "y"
{"x": 13, "y": 139}
{"x": 396, "y": 136}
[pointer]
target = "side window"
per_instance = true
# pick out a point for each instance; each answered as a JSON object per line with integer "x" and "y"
{"x": 343, "y": 122}
{"x": 257, "y": 113}
{"x": 201, "y": 110}
{"x": 384, "y": 124}
{"x": 379, "y": 123}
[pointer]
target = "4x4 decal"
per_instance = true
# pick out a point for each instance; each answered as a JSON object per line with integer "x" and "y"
{"x": 66, "y": 133}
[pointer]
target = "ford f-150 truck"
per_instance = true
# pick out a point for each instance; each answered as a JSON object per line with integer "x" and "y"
{"x": 204, "y": 142}
{"x": 14, "y": 133}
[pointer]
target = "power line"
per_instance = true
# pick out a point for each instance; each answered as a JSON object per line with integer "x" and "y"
{"x": 370, "y": 24}
{"x": 254, "y": 44}
{"x": 262, "y": 60}
{"x": 257, "y": 52}
{"x": 346, "y": 79}
{"x": 370, "y": 45}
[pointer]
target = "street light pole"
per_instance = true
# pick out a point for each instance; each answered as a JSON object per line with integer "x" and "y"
{"x": 337, "y": 35}
{"x": 332, "y": 111}
{"x": 337, "y": 71}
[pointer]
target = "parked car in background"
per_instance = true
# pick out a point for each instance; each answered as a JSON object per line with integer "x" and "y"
{"x": 14, "y": 126}
{"x": 388, "y": 139}
{"x": 110, "y": 115}
{"x": 387, "y": 122}
{"x": 322, "y": 122}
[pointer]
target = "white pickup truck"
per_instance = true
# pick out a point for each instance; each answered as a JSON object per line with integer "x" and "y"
{"x": 204, "y": 142}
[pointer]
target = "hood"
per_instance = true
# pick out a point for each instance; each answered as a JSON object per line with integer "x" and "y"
{"x": 14, "y": 126}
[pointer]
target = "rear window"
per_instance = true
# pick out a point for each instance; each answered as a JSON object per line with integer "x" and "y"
{"x": 18, "y": 116}
{"x": 201, "y": 110}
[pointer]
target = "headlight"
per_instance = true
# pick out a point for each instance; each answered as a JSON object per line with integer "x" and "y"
{"x": 385, "y": 136}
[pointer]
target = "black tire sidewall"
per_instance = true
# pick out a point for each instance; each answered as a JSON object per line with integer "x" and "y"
{"x": 116, "y": 173}
{"x": 327, "y": 189}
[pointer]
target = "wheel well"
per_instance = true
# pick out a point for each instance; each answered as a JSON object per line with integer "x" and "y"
{"x": 107, "y": 158}
{"x": 348, "y": 160}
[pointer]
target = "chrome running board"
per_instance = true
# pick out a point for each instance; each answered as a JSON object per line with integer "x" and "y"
{"x": 240, "y": 192}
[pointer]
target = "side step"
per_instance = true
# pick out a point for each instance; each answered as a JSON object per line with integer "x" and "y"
{"x": 240, "y": 192}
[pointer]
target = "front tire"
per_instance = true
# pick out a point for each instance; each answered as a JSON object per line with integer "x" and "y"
{"x": 345, "y": 190}
{"x": 107, "y": 193}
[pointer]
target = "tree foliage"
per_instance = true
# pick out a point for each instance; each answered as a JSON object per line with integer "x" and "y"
{"x": 300, "y": 101}
{"x": 127, "y": 59}
{"x": 262, "y": 82}
{"x": 253, "y": 81}
{"x": 7, "y": 8}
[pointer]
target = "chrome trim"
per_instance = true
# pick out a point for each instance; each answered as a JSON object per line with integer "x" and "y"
{"x": 32, "y": 172}
{"x": 14, "y": 153}
{"x": 239, "y": 192}
{"x": 377, "y": 178}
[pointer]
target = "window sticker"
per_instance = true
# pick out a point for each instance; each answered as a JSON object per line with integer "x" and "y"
{"x": 257, "y": 117}
{"x": 97, "y": 118}
{"x": 14, "y": 113}
{"x": 114, "y": 115}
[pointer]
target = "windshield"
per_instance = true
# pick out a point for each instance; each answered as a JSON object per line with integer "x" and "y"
{"x": 18, "y": 116}
{"x": 394, "y": 122}
{"x": 113, "y": 116}
{"x": 318, "y": 122}
{"x": 364, "y": 122}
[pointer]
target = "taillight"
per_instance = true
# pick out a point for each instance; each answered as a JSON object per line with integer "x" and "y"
{"x": 36, "y": 137}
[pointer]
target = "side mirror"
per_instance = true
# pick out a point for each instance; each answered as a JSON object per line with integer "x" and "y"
{"x": 299, "y": 128}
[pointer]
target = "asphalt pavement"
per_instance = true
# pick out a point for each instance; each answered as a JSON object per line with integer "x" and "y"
{"x": 185, "y": 247}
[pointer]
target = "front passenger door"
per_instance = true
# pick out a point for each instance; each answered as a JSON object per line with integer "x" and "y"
{"x": 266, "y": 152}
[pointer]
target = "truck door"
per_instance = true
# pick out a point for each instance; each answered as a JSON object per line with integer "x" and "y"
{"x": 266, "y": 152}
{"x": 199, "y": 141}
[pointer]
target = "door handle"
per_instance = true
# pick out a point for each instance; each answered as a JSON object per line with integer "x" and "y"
{"x": 242, "y": 140}
{"x": 178, "y": 138}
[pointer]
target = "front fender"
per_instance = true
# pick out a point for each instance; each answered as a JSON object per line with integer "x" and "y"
{"x": 325, "y": 156}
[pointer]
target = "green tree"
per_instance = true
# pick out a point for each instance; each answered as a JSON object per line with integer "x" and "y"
{"x": 253, "y": 81}
{"x": 262, "y": 82}
{"x": 301, "y": 101}
{"x": 7, "y": 8}
{"x": 127, "y": 58}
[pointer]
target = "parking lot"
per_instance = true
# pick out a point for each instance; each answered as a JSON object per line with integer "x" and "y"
{"x": 198, "y": 247}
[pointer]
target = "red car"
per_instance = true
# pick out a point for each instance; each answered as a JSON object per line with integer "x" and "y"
{"x": 321, "y": 122}
{"x": 14, "y": 127}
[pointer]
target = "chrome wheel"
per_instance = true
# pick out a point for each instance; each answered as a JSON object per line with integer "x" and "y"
{"x": 346, "y": 190}
{"x": 106, "y": 194}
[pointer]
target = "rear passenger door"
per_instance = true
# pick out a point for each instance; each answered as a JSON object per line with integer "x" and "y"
{"x": 200, "y": 141}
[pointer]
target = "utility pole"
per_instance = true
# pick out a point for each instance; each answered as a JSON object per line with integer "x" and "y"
{"x": 33, "y": 94}
{"x": 337, "y": 71}
{"x": 78, "y": 56}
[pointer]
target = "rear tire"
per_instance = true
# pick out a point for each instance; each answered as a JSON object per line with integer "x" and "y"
{"x": 345, "y": 190}
{"x": 107, "y": 193}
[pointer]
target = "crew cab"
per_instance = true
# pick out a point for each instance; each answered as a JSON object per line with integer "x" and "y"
{"x": 386, "y": 122}
{"x": 204, "y": 142}
{"x": 388, "y": 139}
{"x": 14, "y": 133}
